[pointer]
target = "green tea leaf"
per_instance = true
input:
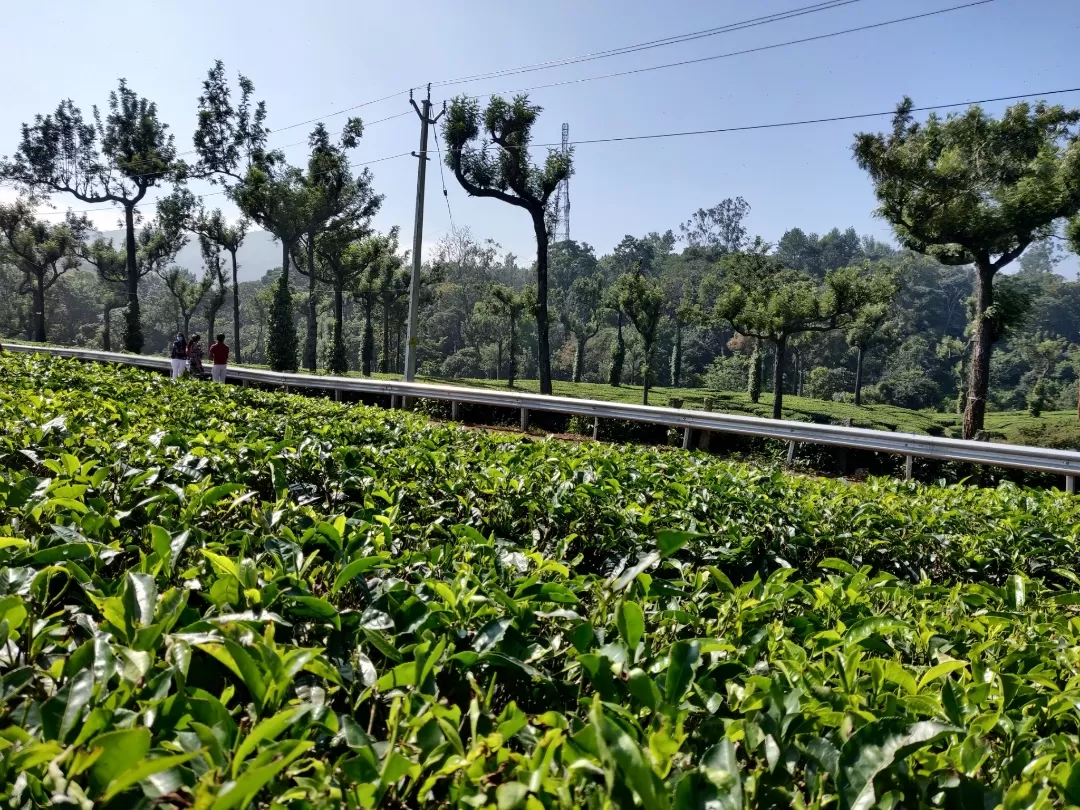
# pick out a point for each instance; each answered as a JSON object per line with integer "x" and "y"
{"x": 873, "y": 748}
{"x": 940, "y": 671}
{"x": 631, "y": 623}
{"x": 119, "y": 751}
{"x": 669, "y": 541}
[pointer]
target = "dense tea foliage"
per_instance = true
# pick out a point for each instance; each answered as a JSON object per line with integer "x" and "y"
{"x": 217, "y": 597}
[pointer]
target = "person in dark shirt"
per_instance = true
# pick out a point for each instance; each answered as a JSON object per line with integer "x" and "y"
{"x": 178, "y": 356}
{"x": 194, "y": 356}
{"x": 219, "y": 356}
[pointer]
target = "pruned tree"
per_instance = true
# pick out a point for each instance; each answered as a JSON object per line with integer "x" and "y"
{"x": 869, "y": 326}
{"x": 510, "y": 305}
{"x": 972, "y": 190}
{"x": 214, "y": 276}
{"x": 642, "y": 299}
{"x": 618, "y": 348}
{"x": 762, "y": 299}
{"x": 156, "y": 247}
{"x": 187, "y": 291}
{"x": 230, "y": 141}
{"x": 511, "y": 177}
{"x": 335, "y": 198}
{"x": 43, "y": 252}
{"x": 630, "y": 255}
{"x": 115, "y": 159}
{"x": 275, "y": 197}
{"x": 350, "y": 259}
{"x": 582, "y": 314}
{"x": 229, "y": 138}
{"x": 393, "y": 286}
{"x": 190, "y": 215}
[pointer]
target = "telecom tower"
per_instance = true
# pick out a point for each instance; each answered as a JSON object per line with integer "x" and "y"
{"x": 562, "y": 196}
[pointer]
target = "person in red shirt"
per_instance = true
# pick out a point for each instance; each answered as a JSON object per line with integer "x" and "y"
{"x": 219, "y": 356}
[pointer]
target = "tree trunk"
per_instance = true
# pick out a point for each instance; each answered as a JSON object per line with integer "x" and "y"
{"x": 579, "y": 359}
{"x": 39, "y": 307}
{"x": 106, "y": 327}
{"x": 513, "y": 353}
{"x": 367, "y": 349}
{"x": 235, "y": 308}
{"x": 858, "y": 377}
{"x": 211, "y": 319}
{"x": 498, "y": 359}
{"x": 339, "y": 363}
{"x": 646, "y": 374}
{"x": 543, "y": 349}
{"x": 384, "y": 358}
{"x": 311, "y": 343}
{"x": 133, "y": 338}
{"x": 982, "y": 344}
{"x": 618, "y": 356}
{"x": 281, "y": 343}
{"x": 676, "y": 357}
{"x": 753, "y": 381}
{"x": 778, "y": 377}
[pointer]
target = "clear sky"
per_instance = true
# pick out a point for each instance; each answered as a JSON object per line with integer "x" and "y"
{"x": 309, "y": 60}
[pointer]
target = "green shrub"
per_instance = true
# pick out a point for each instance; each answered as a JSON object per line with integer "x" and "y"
{"x": 273, "y": 601}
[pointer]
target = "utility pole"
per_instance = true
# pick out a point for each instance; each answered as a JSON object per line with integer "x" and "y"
{"x": 411, "y": 336}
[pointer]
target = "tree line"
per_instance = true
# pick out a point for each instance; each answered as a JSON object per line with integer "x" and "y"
{"x": 966, "y": 195}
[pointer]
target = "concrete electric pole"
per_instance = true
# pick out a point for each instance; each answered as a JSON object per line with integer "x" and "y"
{"x": 412, "y": 338}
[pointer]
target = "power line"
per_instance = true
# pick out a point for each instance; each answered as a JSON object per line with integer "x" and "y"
{"x": 803, "y": 122}
{"x": 442, "y": 176}
{"x": 718, "y": 130}
{"x": 366, "y": 125}
{"x": 673, "y": 40}
{"x": 677, "y": 39}
{"x": 745, "y": 51}
{"x": 342, "y": 112}
{"x": 656, "y": 43}
{"x": 631, "y": 49}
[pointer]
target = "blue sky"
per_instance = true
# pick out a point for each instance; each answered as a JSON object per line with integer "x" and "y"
{"x": 310, "y": 60}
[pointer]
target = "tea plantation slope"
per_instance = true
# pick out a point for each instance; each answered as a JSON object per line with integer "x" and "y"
{"x": 216, "y": 598}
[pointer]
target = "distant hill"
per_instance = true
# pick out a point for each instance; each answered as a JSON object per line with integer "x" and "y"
{"x": 258, "y": 254}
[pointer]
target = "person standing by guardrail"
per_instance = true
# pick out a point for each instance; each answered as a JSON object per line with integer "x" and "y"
{"x": 194, "y": 357}
{"x": 219, "y": 356}
{"x": 178, "y": 356}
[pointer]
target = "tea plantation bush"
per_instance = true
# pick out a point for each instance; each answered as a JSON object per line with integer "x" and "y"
{"x": 213, "y": 597}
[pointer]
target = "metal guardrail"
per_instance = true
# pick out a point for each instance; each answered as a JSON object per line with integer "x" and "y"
{"x": 911, "y": 445}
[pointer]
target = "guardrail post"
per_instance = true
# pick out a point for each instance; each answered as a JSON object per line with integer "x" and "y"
{"x": 676, "y": 402}
{"x": 704, "y": 436}
{"x": 1070, "y": 484}
{"x": 791, "y": 452}
{"x": 393, "y": 402}
{"x": 455, "y": 411}
{"x": 842, "y": 465}
{"x": 909, "y": 464}
{"x": 596, "y": 428}
{"x": 337, "y": 395}
{"x": 524, "y": 419}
